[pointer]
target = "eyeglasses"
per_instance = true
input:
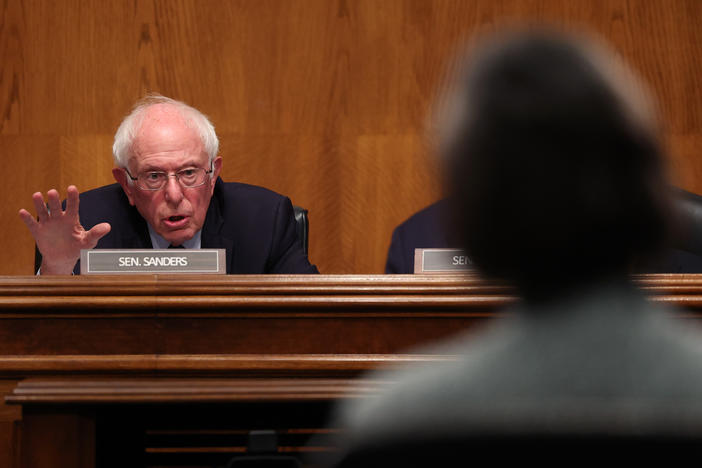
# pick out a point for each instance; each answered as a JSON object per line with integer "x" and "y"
{"x": 190, "y": 177}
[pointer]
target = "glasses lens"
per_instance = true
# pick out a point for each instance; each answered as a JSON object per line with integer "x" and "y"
{"x": 155, "y": 180}
{"x": 191, "y": 177}
{"x": 152, "y": 180}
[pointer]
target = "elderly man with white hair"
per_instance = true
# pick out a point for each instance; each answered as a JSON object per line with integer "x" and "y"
{"x": 169, "y": 194}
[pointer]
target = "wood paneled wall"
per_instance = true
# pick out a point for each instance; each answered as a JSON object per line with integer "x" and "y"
{"x": 323, "y": 100}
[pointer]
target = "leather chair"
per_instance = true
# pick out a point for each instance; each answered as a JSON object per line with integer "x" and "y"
{"x": 303, "y": 226}
{"x": 262, "y": 452}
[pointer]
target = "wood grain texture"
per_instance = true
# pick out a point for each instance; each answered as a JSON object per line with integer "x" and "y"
{"x": 258, "y": 314}
{"x": 156, "y": 315}
{"x": 9, "y": 443}
{"x": 199, "y": 364}
{"x": 10, "y": 420}
{"x": 175, "y": 353}
{"x": 91, "y": 391}
{"x": 323, "y": 100}
{"x": 58, "y": 438}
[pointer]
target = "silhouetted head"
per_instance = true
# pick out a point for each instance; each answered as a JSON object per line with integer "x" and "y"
{"x": 554, "y": 164}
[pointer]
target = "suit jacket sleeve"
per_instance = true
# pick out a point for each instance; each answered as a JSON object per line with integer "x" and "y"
{"x": 397, "y": 262}
{"x": 286, "y": 254}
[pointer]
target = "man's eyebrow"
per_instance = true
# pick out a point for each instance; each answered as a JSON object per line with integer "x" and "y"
{"x": 152, "y": 169}
{"x": 187, "y": 165}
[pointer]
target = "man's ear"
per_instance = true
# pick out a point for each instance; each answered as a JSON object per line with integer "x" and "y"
{"x": 120, "y": 176}
{"x": 216, "y": 169}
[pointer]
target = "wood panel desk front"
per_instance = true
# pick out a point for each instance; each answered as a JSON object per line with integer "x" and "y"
{"x": 82, "y": 358}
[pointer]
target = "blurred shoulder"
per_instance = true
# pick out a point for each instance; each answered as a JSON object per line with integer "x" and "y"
{"x": 431, "y": 215}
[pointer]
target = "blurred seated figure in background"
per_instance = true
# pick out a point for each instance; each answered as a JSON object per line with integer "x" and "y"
{"x": 426, "y": 229}
{"x": 685, "y": 252}
{"x": 556, "y": 183}
{"x": 423, "y": 230}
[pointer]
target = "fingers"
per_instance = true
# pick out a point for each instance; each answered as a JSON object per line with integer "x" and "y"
{"x": 40, "y": 206}
{"x": 97, "y": 232}
{"x": 53, "y": 202}
{"x": 72, "y": 201}
{"x": 28, "y": 220}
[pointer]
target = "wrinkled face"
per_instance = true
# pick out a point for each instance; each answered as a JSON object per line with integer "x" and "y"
{"x": 165, "y": 143}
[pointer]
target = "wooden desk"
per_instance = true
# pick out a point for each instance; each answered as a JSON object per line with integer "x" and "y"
{"x": 137, "y": 369}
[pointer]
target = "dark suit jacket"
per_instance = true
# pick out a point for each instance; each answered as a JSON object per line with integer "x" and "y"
{"x": 685, "y": 256}
{"x": 422, "y": 230}
{"x": 255, "y": 225}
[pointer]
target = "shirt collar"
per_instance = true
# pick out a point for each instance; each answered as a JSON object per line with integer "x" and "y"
{"x": 159, "y": 242}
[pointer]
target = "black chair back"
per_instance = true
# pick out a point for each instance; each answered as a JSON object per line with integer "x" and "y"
{"x": 303, "y": 226}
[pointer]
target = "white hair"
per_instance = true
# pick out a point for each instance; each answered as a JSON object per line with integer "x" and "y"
{"x": 124, "y": 138}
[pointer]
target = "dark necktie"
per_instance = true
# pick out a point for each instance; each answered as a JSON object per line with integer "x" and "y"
{"x": 171, "y": 246}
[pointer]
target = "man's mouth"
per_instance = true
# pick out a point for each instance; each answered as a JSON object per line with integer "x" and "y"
{"x": 176, "y": 221}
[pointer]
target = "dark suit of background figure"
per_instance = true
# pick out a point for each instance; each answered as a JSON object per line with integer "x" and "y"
{"x": 255, "y": 225}
{"x": 425, "y": 230}
{"x": 686, "y": 256}
{"x": 422, "y": 230}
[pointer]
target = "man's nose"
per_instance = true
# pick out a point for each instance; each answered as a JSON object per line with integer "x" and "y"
{"x": 174, "y": 191}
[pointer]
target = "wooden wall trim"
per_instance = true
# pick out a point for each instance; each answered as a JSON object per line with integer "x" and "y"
{"x": 266, "y": 327}
{"x": 277, "y": 295}
{"x": 92, "y": 391}
{"x": 207, "y": 363}
{"x": 159, "y": 284}
{"x": 184, "y": 285}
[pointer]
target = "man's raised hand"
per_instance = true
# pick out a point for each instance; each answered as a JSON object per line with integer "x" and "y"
{"x": 58, "y": 233}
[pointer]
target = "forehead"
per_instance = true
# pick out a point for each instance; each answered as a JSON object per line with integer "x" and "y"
{"x": 165, "y": 139}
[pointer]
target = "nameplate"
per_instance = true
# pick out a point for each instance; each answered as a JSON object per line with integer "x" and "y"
{"x": 136, "y": 261}
{"x": 440, "y": 261}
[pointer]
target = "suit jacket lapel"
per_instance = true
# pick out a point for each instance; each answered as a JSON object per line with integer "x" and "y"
{"x": 138, "y": 238}
{"x": 212, "y": 236}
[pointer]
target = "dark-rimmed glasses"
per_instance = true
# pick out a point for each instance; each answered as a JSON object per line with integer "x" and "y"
{"x": 189, "y": 177}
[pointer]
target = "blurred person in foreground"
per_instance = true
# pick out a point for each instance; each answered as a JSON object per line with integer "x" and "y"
{"x": 556, "y": 180}
{"x": 169, "y": 194}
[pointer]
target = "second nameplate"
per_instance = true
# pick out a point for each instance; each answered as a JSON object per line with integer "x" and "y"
{"x": 135, "y": 261}
{"x": 440, "y": 261}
